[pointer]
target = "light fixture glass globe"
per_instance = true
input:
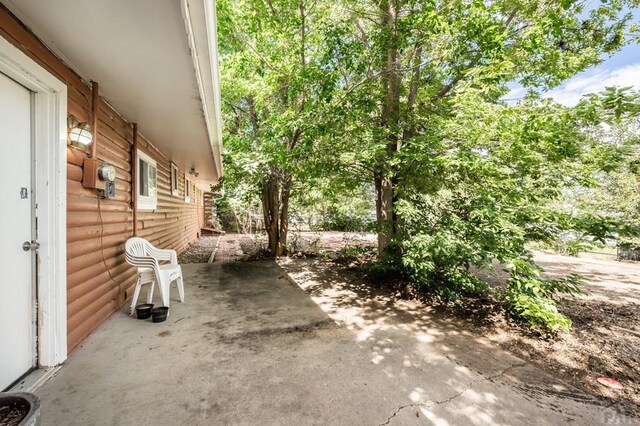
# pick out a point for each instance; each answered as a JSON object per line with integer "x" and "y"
{"x": 81, "y": 134}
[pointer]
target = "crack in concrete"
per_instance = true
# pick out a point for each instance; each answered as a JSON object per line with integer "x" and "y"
{"x": 402, "y": 407}
{"x": 430, "y": 403}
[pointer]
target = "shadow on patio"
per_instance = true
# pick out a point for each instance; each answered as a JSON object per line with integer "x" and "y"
{"x": 251, "y": 347}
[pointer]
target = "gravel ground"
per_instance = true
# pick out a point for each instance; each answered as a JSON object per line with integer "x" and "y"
{"x": 199, "y": 251}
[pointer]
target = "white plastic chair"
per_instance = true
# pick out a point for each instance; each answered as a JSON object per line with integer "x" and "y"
{"x": 144, "y": 256}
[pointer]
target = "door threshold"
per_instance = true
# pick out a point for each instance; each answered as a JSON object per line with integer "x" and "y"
{"x": 33, "y": 380}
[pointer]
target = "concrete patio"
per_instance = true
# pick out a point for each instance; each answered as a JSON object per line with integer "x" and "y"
{"x": 250, "y": 346}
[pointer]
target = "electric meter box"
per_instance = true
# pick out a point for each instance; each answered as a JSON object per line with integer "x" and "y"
{"x": 99, "y": 175}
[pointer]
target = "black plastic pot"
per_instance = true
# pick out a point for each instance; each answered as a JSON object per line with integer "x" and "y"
{"x": 144, "y": 311}
{"x": 19, "y": 409}
{"x": 159, "y": 314}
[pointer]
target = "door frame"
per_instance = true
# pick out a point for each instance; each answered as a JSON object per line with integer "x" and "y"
{"x": 50, "y": 175}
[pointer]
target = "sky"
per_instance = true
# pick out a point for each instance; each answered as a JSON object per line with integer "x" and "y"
{"x": 621, "y": 69}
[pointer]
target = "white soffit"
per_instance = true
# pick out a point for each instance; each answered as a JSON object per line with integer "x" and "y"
{"x": 140, "y": 52}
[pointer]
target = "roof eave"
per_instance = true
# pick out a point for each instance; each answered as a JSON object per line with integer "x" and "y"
{"x": 201, "y": 26}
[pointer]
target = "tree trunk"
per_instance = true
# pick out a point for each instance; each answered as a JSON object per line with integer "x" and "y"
{"x": 270, "y": 209}
{"x": 389, "y": 121}
{"x": 275, "y": 207}
{"x": 384, "y": 212}
{"x": 284, "y": 217}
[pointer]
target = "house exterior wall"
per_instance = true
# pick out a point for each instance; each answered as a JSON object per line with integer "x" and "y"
{"x": 99, "y": 280}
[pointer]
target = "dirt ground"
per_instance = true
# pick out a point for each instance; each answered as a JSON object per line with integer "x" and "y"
{"x": 605, "y": 337}
{"x": 604, "y": 340}
{"x": 305, "y": 243}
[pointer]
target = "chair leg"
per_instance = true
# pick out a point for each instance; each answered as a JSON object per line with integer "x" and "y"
{"x": 136, "y": 293}
{"x": 150, "y": 292}
{"x": 180, "y": 285}
{"x": 167, "y": 290}
{"x": 166, "y": 295}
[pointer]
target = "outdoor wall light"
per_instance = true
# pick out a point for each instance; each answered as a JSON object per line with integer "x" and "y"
{"x": 80, "y": 135}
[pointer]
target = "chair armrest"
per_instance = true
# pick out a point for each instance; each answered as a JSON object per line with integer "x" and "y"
{"x": 142, "y": 261}
{"x": 145, "y": 262}
{"x": 166, "y": 254}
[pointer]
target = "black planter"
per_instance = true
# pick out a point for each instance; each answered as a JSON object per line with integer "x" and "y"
{"x": 144, "y": 311}
{"x": 21, "y": 408}
{"x": 159, "y": 314}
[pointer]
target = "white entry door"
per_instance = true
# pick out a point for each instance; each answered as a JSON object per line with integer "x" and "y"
{"x": 17, "y": 289}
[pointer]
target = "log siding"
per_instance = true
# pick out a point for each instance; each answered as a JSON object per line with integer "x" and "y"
{"x": 99, "y": 280}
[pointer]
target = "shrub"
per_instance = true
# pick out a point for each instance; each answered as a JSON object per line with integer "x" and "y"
{"x": 355, "y": 251}
{"x": 342, "y": 221}
{"x": 439, "y": 264}
{"x": 450, "y": 235}
{"x": 535, "y": 299}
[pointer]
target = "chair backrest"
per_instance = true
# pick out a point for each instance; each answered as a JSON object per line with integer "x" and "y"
{"x": 137, "y": 253}
{"x": 137, "y": 246}
{"x": 141, "y": 253}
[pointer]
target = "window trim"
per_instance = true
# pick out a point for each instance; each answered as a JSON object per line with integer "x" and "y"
{"x": 145, "y": 202}
{"x": 175, "y": 191}
{"x": 187, "y": 189}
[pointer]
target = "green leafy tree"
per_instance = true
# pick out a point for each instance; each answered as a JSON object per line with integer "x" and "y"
{"x": 485, "y": 189}
{"x": 275, "y": 77}
{"x": 611, "y": 124}
{"x": 404, "y": 62}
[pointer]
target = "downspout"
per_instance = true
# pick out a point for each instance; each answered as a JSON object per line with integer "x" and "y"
{"x": 95, "y": 110}
{"x": 134, "y": 179}
{"x": 95, "y": 105}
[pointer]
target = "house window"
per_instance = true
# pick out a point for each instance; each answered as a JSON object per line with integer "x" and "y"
{"x": 174, "y": 180}
{"x": 187, "y": 190}
{"x": 147, "y": 182}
